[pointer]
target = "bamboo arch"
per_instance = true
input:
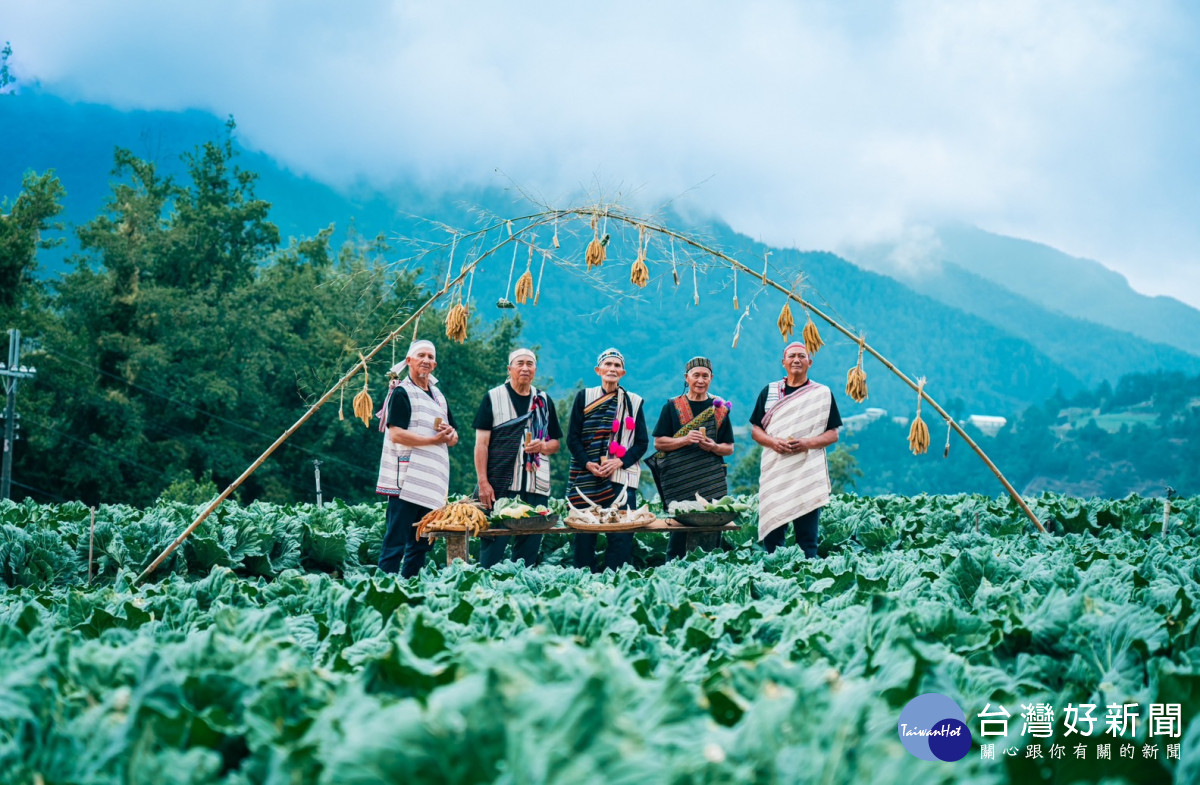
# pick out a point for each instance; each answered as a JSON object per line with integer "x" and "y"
{"x": 512, "y": 235}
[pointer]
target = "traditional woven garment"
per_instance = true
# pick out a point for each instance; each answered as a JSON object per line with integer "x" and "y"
{"x": 792, "y": 485}
{"x": 508, "y": 467}
{"x": 682, "y": 474}
{"x": 420, "y": 475}
{"x": 606, "y": 418}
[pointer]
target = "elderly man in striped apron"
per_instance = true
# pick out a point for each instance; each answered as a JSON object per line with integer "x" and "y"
{"x": 607, "y": 437}
{"x": 414, "y": 470}
{"x": 794, "y": 420}
{"x": 516, "y": 432}
{"x": 693, "y": 437}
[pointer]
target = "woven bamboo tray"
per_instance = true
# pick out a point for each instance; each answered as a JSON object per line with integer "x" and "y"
{"x": 705, "y": 518}
{"x": 579, "y": 524}
{"x": 524, "y": 524}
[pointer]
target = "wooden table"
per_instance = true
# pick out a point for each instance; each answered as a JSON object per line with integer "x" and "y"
{"x": 707, "y": 537}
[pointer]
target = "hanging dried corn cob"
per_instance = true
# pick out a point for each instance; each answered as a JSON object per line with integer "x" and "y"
{"x": 856, "y": 377}
{"x": 786, "y": 324}
{"x": 946, "y": 452}
{"x": 363, "y": 406}
{"x": 342, "y": 404}
{"x": 554, "y": 239}
{"x": 525, "y": 282}
{"x": 456, "y": 323}
{"x": 695, "y": 284}
{"x": 918, "y": 434}
{"x": 735, "y": 277}
{"x": 596, "y": 252}
{"x": 812, "y": 338}
{"x": 639, "y": 275}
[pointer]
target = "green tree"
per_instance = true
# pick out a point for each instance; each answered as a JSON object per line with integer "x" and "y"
{"x": 22, "y": 223}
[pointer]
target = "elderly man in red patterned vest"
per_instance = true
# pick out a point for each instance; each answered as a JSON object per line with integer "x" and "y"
{"x": 794, "y": 420}
{"x": 414, "y": 469}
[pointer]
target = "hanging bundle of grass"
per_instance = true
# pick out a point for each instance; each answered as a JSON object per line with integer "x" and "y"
{"x": 639, "y": 275}
{"x": 812, "y": 338}
{"x": 786, "y": 324}
{"x": 856, "y": 377}
{"x": 364, "y": 407}
{"x": 918, "y": 434}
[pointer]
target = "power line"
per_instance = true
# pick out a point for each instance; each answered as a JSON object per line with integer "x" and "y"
{"x": 42, "y": 491}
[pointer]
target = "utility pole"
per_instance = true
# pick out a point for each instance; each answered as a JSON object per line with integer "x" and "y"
{"x": 317, "y": 477}
{"x": 11, "y": 372}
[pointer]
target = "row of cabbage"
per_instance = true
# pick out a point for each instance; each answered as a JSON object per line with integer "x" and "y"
{"x": 735, "y": 666}
{"x": 44, "y": 544}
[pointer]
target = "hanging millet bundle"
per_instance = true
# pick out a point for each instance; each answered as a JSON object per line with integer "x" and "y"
{"x": 525, "y": 282}
{"x": 639, "y": 275}
{"x": 363, "y": 406}
{"x": 918, "y": 434}
{"x": 786, "y": 324}
{"x": 812, "y": 338}
{"x": 856, "y": 377}
{"x": 596, "y": 252}
{"x": 456, "y": 323}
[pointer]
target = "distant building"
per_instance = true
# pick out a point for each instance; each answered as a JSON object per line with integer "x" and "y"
{"x": 856, "y": 422}
{"x": 988, "y": 424}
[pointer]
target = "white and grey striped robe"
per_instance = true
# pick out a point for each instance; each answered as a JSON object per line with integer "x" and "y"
{"x": 793, "y": 485}
{"x": 420, "y": 475}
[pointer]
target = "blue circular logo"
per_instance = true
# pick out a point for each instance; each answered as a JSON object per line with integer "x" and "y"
{"x": 933, "y": 727}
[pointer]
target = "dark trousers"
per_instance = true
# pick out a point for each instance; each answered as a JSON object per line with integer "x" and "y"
{"x": 620, "y": 544}
{"x": 400, "y": 540}
{"x": 806, "y": 534}
{"x": 524, "y": 546}
{"x": 677, "y": 545}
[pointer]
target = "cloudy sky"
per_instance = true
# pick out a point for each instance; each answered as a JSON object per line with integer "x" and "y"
{"x": 808, "y": 124}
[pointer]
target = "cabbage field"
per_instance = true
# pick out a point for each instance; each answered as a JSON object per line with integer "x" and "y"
{"x": 267, "y": 649}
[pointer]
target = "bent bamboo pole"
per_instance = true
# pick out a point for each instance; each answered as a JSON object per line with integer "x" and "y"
{"x": 845, "y": 331}
{"x": 361, "y": 364}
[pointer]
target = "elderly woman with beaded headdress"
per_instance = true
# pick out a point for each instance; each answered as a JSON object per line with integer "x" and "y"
{"x": 414, "y": 470}
{"x": 693, "y": 437}
{"x": 607, "y": 437}
{"x": 516, "y": 432}
{"x": 794, "y": 420}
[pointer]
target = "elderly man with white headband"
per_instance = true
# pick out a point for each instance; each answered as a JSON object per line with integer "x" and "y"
{"x": 516, "y": 432}
{"x": 607, "y": 437}
{"x": 794, "y": 420}
{"x": 414, "y": 470}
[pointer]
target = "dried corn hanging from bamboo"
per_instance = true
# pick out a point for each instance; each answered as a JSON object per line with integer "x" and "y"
{"x": 856, "y": 377}
{"x": 596, "y": 252}
{"x": 735, "y": 277}
{"x": 639, "y": 275}
{"x": 363, "y": 406}
{"x": 918, "y": 434}
{"x": 785, "y": 323}
{"x": 812, "y": 338}
{"x": 537, "y": 294}
{"x": 456, "y": 323}
{"x": 525, "y": 282}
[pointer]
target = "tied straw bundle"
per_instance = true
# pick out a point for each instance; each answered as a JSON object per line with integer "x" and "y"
{"x": 363, "y": 406}
{"x": 856, "y": 377}
{"x": 918, "y": 434}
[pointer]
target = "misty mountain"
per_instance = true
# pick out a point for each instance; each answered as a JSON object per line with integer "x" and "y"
{"x": 983, "y": 348}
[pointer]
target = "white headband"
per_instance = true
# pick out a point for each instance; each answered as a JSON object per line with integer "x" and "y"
{"x": 421, "y": 344}
{"x": 515, "y": 353}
